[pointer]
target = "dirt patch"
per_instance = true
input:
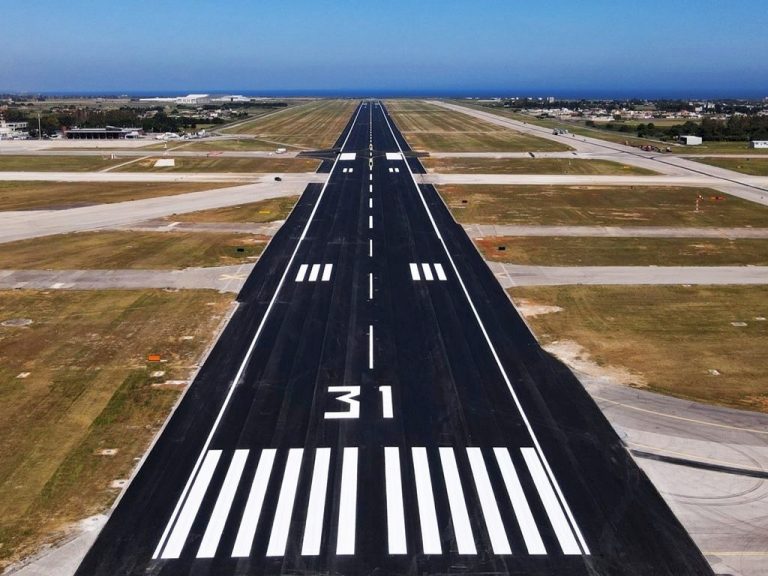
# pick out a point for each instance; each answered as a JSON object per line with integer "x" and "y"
{"x": 579, "y": 360}
{"x": 531, "y": 308}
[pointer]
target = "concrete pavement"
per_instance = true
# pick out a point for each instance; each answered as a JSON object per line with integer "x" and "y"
{"x": 221, "y": 278}
{"x": 482, "y": 230}
{"x": 510, "y": 275}
{"x": 30, "y": 224}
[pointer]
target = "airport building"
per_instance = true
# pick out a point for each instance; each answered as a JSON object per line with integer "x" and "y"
{"x": 691, "y": 140}
{"x": 108, "y": 133}
{"x": 758, "y": 144}
{"x": 10, "y": 130}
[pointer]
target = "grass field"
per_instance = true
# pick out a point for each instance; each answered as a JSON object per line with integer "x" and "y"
{"x": 88, "y": 388}
{"x": 56, "y": 163}
{"x": 314, "y": 125}
{"x": 678, "y": 340}
{"x": 254, "y": 212}
{"x": 133, "y": 250}
{"x": 721, "y": 148}
{"x": 574, "y": 127}
{"x": 58, "y": 195}
{"x": 598, "y": 206}
{"x": 234, "y": 145}
{"x": 580, "y": 251}
{"x": 215, "y": 164}
{"x": 529, "y": 166}
{"x": 751, "y": 166}
{"x": 429, "y": 127}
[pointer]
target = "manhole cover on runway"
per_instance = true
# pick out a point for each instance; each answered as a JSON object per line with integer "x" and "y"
{"x": 16, "y": 322}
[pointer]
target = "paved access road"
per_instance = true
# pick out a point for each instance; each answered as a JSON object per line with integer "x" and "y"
{"x": 376, "y": 405}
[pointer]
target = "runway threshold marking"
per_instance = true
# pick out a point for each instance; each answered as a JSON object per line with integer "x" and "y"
{"x": 191, "y": 480}
{"x": 212, "y": 535}
{"x": 549, "y": 474}
{"x": 300, "y": 469}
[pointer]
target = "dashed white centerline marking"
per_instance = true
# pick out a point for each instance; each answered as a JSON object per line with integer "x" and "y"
{"x": 313, "y": 530}
{"x": 520, "y": 506}
{"x": 430, "y": 532}
{"x": 252, "y": 511}
{"x": 427, "y": 272}
{"x": 302, "y": 273}
{"x": 370, "y": 222}
{"x": 191, "y": 506}
{"x": 370, "y": 286}
{"x": 212, "y": 535}
{"x": 370, "y": 177}
{"x": 465, "y": 540}
{"x": 440, "y": 272}
{"x": 370, "y": 248}
{"x": 370, "y": 347}
{"x": 370, "y": 188}
{"x": 551, "y": 505}
{"x": 370, "y": 202}
{"x": 415, "y": 271}
{"x": 279, "y": 536}
{"x": 327, "y": 272}
{"x": 488, "y": 505}
{"x": 395, "y": 513}
{"x": 345, "y": 543}
{"x": 314, "y": 273}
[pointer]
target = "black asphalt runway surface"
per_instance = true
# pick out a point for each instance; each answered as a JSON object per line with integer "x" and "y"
{"x": 377, "y": 406}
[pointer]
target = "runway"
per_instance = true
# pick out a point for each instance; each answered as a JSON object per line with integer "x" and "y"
{"x": 376, "y": 405}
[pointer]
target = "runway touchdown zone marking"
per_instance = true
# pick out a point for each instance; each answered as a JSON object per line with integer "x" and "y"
{"x": 468, "y": 476}
{"x": 426, "y": 271}
{"x": 314, "y": 272}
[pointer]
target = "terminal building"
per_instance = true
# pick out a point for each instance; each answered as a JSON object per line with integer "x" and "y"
{"x": 108, "y": 133}
{"x": 10, "y": 130}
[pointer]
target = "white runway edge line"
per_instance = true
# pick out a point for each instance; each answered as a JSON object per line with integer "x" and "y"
{"x": 550, "y": 475}
{"x": 249, "y": 352}
{"x": 212, "y": 535}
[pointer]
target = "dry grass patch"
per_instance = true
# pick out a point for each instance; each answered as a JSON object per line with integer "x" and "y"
{"x": 117, "y": 250}
{"x": 599, "y": 206}
{"x": 254, "y": 212}
{"x": 429, "y": 127}
{"x": 581, "y": 251}
{"x": 60, "y": 195}
{"x": 702, "y": 343}
{"x": 57, "y": 163}
{"x": 215, "y": 164}
{"x": 314, "y": 125}
{"x": 530, "y": 166}
{"x": 88, "y": 388}
{"x": 751, "y": 166}
{"x": 234, "y": 145}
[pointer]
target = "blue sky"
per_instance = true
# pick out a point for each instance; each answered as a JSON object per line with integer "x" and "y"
{"x": 598, "y": 47}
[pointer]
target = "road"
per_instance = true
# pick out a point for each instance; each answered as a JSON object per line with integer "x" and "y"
{"x": 24, "y": 224}
{"x": 376, "y": 405}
